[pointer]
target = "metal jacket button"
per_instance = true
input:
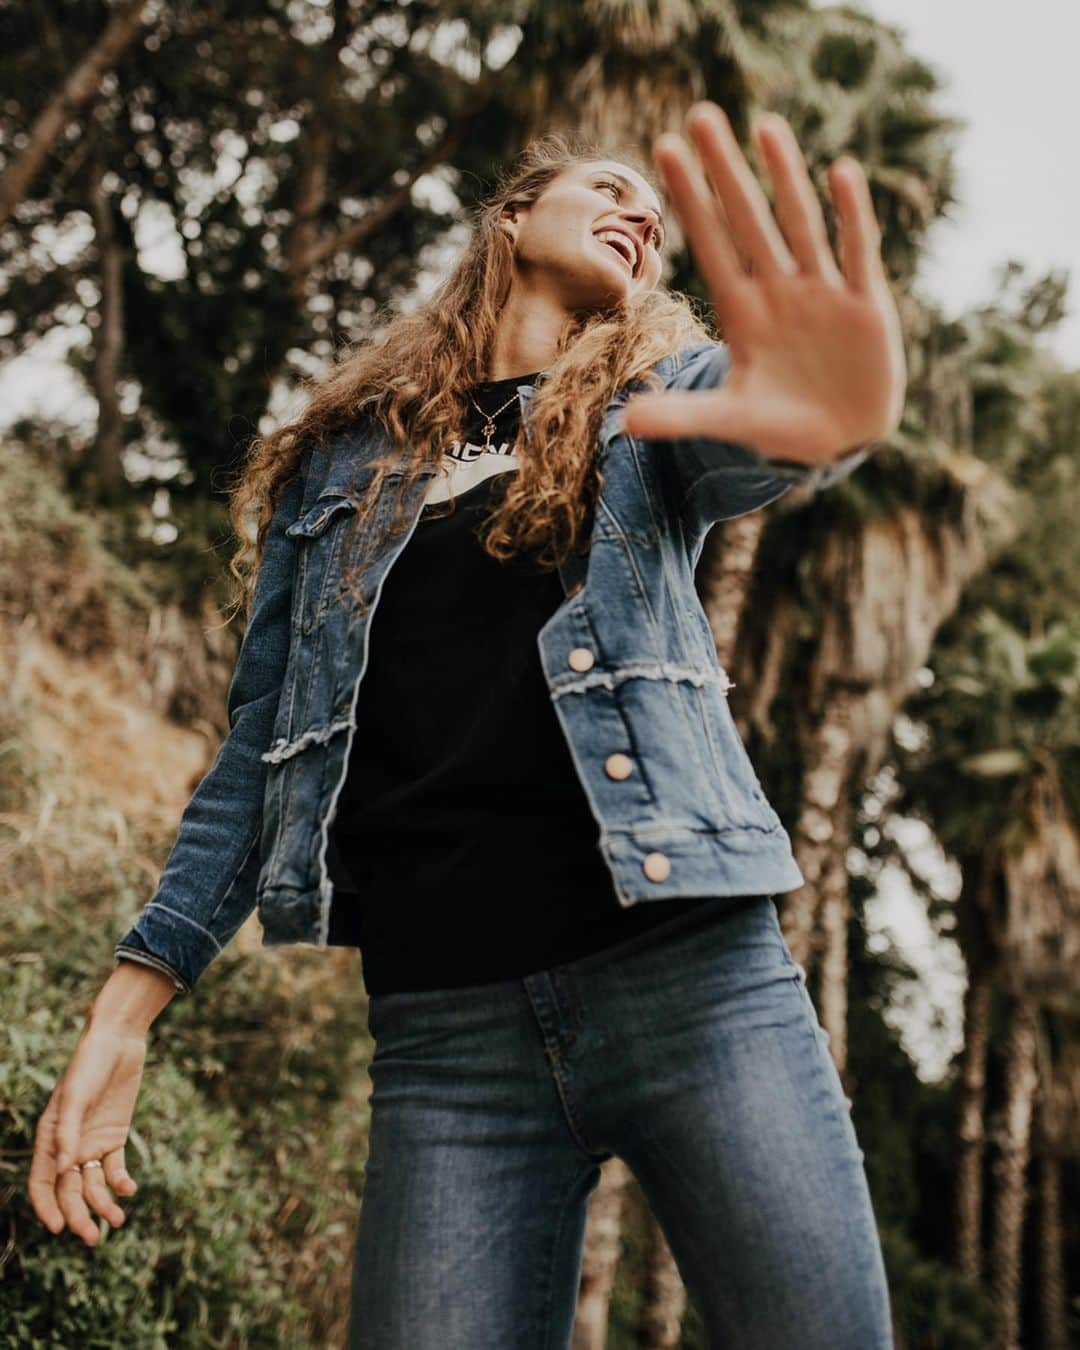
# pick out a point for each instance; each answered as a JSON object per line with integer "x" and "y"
{"x": 618, "y": 766}
{"x": 657, "y": 867}
{"x": 581, "y": 658}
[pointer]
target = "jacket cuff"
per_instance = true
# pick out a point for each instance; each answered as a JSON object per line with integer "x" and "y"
{"x": 123, "y": 953}
{"x": 170, "y": 942}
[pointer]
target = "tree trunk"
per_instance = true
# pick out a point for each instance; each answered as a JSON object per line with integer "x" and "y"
{"x": 827, "y": 753}
{"x": 79, "y": 88}
{"x": 600, "y": 1256}
{"x": 313, "y": 175}
{"x": 662, "y": 1308}
{"x": 1052, "y": 1291}
{"x": 969, "y": 1179}
{"x": 1021, "y": 1080}
{"x": 724, "y": 573}
{"x": 106, "y": 453}
{"x": 835, "y": 911}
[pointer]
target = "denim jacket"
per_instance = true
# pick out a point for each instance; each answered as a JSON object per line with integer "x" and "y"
{"x": 628, "y": 657}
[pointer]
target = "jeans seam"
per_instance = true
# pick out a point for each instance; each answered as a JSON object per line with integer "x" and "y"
{"x": 572, "y": 1119}
{"x": 552, "y": 1052}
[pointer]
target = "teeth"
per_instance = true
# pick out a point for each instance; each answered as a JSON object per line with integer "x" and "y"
{"x": 620, "y": 242}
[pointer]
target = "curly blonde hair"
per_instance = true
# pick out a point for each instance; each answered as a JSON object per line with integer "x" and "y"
{"x": 414, "y": 380}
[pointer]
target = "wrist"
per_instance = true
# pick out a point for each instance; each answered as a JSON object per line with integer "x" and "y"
{"x": 132, "y": 997}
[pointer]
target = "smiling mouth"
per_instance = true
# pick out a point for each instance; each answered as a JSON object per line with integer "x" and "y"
{"x": 624, "y": 249}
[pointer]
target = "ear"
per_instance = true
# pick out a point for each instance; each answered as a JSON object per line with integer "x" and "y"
{"x": 509, "y": 220}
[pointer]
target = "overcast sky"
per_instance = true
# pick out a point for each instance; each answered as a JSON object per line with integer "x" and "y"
{"x": 1010, "y": 71}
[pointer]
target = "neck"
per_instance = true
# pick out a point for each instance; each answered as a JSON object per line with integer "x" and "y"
{"x": 528, "y": 333}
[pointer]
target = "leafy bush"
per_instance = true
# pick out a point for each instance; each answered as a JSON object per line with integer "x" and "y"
{"x": 250, "y": 1131}
{"x": 936, "y": 1307}
{"x": 191, "y": 1265}
{"x": 56, "y": 565}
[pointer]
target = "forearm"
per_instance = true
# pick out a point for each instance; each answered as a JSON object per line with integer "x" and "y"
{"x": 132, "y": 997}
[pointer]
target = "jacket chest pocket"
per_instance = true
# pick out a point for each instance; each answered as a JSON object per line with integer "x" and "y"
{"x": 318, "y": 536}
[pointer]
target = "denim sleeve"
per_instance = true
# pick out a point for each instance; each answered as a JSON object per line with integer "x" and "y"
{"x": 715, "y": 479}
{"x": 207, "y": 887}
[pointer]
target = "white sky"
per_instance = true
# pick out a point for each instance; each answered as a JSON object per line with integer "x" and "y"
{"x": 1010, "y": 71}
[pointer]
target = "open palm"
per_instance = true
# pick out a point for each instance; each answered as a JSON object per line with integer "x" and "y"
{"x": 816, "y": 351}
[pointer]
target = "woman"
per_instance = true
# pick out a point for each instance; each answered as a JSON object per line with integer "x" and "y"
{"x": 484, "y": 824}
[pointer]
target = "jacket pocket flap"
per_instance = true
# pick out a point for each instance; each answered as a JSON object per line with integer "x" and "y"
{"x": 318, "y": 517}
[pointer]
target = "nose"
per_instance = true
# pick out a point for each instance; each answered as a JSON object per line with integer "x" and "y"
{"x": 647, "y": 218}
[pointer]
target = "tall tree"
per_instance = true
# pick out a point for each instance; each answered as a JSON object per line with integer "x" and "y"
{"x": 1002, "y": 742}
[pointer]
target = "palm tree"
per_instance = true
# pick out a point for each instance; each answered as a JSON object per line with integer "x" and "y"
{"x": 1057, "y": 1138}
{"x": 845, "y": 83}
{"x": 1003, "y": 739}
{"x": 844, "y": 604}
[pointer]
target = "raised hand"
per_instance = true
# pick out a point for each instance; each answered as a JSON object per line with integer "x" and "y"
{"x": 817, "y": 355}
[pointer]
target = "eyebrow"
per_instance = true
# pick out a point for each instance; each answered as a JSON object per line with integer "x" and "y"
{"x": 625, "y": 182}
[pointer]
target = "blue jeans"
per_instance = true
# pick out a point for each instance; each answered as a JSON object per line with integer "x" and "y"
{"x": 694, "y": 1054}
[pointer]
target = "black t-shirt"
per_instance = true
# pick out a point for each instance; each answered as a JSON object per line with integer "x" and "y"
{"x": 463, "y": 849}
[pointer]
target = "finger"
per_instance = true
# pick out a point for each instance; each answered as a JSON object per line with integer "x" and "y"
{"x": 703, "y": 221}
{"x": 756, "y": 233}
{"x": 116, "y": 1173}
{"x": 674, "y": 413}
{"x": 42, "y": 1195}
{"x": 42, "y": 1180}
{"x": 798, "y": 208}
{"x": 98, "y": 1196}
{"x": 860, "y": 232}
{"x": 69, "y": 1196}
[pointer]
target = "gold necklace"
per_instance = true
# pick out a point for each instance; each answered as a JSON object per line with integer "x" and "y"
{"x": 488, "y": 429}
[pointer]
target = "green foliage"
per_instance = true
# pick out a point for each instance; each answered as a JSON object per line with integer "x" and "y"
{"x": 192, "y": 1264}
{"x": 936, "y": 1307}
{"x": 55, "y": 562}
{"x": 999, "y": 704}
{"x": 248, "y": 1139}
